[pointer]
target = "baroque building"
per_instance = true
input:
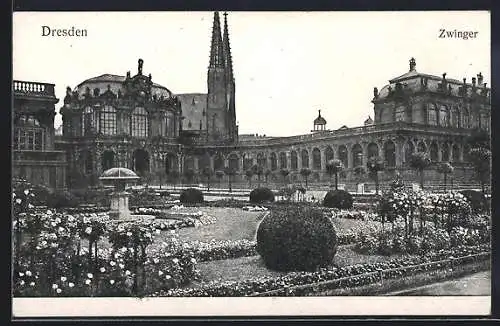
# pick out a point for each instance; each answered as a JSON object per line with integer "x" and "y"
{"x": 34, "y": 155}
{"x": 130, "y": 121}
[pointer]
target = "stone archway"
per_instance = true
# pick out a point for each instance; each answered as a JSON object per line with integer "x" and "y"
{"x": 140, "y": 162}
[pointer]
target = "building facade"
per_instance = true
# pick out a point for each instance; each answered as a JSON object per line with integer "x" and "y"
{"x": 129, "y": 121}
{"x": 34, "y": 156}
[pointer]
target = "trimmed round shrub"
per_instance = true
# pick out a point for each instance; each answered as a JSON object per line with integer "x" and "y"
{"x": 296, "y": 239}
{"x": 338, "y": 199}
{"x": 476, "y": 199}
{"x": 261, "y": 195}
{"x": 191, "y": 196}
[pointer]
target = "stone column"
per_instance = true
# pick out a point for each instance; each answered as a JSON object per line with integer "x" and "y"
{"x": 364, "y": 157}
{"x": 195, "y": 164}
{"x": 311, "y": 161}
{"x": 440, "y": 154}
{"x": 299, "y": 159}
{"x": 350, "y": 162}
{"x": 323, "y": 159}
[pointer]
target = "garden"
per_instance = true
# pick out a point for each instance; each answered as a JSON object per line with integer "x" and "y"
{"x": 190, "y": 247}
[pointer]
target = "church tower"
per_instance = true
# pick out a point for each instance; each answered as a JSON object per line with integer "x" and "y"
{"x": 221, "y": 117}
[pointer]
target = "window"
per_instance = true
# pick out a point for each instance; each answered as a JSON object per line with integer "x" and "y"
{"x": 88, "y": 125}
{"x": 466, "y": 119}
{"x": 29, "y": 139}
{"x": 432, "y": 115}
{"x": 283, "y": 161}
{"x": 455, "y": 118}
{"x": 400, "y": 113}
{"x": 108, "y": 120}
{"x": 443, "y": 116}
{"x": 162, "y": 126}
{"x": 485, "y": 121}
{"x": 139, "y": 123}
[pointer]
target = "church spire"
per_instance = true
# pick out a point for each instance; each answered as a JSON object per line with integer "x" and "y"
{"x": 216, "y": 51}
{"x": 228, "y": 60}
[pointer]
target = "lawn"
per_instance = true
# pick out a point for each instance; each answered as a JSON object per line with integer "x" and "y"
{"x": 237, "y": 224}
{"x": 253, "y": 267}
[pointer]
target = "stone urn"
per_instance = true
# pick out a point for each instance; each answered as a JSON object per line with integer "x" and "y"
{"x": 119, "y": 177}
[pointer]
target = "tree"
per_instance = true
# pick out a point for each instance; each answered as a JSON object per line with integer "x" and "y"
{"x": 249, "y": 174}
{"x": 374, "y": 165}
{"x": 305, "y": 173}
{"x": 267, "y": 173}
{"x": 481, "y": 160}
{"x": 333, "y": 167}
{"x": 359, "y": 174}
{"x": 284, "y": 173}
{"x": 219, "y": 174}
{"x": 207, "y": 172}
{"x": 230, "y": 173}
{"x": 445, "y": 168}
{"x": 420, "y": 161}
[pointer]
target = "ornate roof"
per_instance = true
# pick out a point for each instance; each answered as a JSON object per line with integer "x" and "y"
{"x": 414, "y": 81}
{"x": 319, "y": 120}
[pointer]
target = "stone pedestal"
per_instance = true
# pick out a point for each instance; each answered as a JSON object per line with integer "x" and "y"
{"x": 119, "y": 205}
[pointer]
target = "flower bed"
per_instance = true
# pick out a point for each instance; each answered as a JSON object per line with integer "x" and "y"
{"x": 352, "y": 276}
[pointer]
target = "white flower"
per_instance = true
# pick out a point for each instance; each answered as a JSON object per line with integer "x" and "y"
{"x": 168, "y": 277}
{"x": 156, "y": 260}
{"x": 49, "y": 212}
{"x": 87, "y": 281}
{"x": 157, "y": 231}
{"x": 88, "y": 230}
{"x": 22, "y": 282}
{"x": 21, "y": 274}
{"x": 112, "y": 263}
{"x": 112, "y": 282}
{"x": 70, "y": 218}
{"x": 30, "y": 206}
{"x": 175, "y": 260}
{"x": 160, "y": 273}
{"x": 127, "y": 272}
{"x": 102, "y": 269}
{"x": 121, "y": 265}
{"x": 89, "y": 275}
{"x": 63, "y": 278}
{"x": 54, "y": 286}
{"x": 58, "y": 290}
{"x": 26, "y": 192}
{"x": 172, "y": 231}
{"x": 32, "y": 284}
{"x": 129, "y": 233}
{"x": 18, "y": 200}
{"x": 71, "y": 284}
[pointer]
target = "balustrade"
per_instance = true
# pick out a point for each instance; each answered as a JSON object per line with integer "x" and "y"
{"x": 33, "y": 88}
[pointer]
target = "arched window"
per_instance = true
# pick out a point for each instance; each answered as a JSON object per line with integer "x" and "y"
{"x": 88, "y": 122}
{"x": 434, "y": 152}
{"x": 188, "y": 163}
{"x": 485, "y": 121}
{"x": 456, "y": 153}
{"x": 409, "y": 150}
{"x": 455, "y": 118}
{"x": 170, "y": 163}
{"x": 283, "y": 162}
{"x": 421, "y": 147}
{"x": 372, "y": 150}
{"x": 293, "y": 160}
{"x": 465, "y": 119}
{"x": 390, "y": 153}
{"x": 140, "y": 123}
{"x": 432, "y": 115}
{"x": 261, "y": 160}
{"x": 218, "y": 162}
{"x": 204, "y": 162}
{"x": 316, "y": 159}
{"x": 274, "y": 162}
{"x": 162, "y": 125}
{"x": 443, "y": 116}
{"x": 357, "y": 155}
{"x": 305, "y": 158}
{"x": 107, "y": 160}
{"x": 329, "y": 153}
{"x": 445, "y": 153}
{"x": 108, "y": 120}
{"x": 234, "y": 162}
{"x": 343, "y": 155}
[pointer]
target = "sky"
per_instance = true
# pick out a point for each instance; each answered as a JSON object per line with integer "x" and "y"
{"x": 287, "y": 65}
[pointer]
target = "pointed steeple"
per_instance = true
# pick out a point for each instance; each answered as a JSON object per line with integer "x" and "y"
{"x": 227, "y": 50}
{"x": 216, "y": 51}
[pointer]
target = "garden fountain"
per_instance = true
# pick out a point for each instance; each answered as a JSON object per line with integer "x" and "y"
{"x": 119, "y": 177}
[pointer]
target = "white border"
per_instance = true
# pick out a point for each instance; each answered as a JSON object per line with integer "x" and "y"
{"x": 244, "y": 306}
